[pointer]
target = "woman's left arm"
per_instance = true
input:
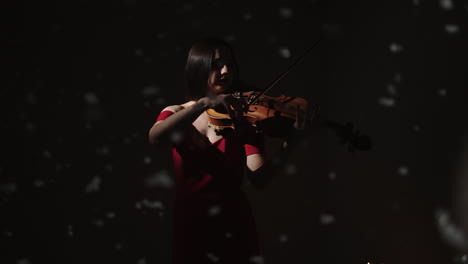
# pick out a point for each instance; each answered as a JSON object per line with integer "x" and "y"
{"x": 261, "y": 171}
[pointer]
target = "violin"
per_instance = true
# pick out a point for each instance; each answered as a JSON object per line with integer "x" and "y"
{"x": 275, "y": 116}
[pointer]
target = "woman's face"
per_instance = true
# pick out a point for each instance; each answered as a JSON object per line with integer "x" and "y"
{"x": 222, "y": 72}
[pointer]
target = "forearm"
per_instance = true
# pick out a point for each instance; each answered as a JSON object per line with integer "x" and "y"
{"x": 161, "y": 131}
{"x": 273, "y": 166}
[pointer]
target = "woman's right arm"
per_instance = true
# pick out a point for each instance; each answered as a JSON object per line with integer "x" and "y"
{"x": 161, "y": 130}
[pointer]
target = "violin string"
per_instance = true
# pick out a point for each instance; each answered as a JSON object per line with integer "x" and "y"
{"x": 284, "y": 73}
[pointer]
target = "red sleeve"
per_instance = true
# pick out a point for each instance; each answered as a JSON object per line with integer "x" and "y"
{"x": 255, "y": 144}
{"x": 164, "y": 114}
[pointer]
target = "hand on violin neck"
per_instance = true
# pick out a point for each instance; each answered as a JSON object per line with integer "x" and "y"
{"x": 302, "y": 127}
{"x": 235, "y": 107}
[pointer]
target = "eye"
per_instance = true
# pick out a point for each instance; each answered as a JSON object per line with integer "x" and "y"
{"x": 219, "y": 64}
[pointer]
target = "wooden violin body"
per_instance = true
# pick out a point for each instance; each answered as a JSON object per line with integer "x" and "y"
{"x": 273, "y": 116}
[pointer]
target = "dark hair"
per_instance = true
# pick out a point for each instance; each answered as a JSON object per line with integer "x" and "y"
{"x": 198, "y": 66}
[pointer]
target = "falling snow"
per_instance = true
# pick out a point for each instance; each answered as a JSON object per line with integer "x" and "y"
{"x": 23, "y": 261}
{"x": 93, "y": 185}
{"x": 141, "y": 261}
{"x": 152, "y": 204}
{"x": 139, "y": 52}
{"x": 403, "y": 171}
{"x": 286, "y": 12}
{"x": 284, "y": 52}
{"x": 147, "y": 160}
{"x": 247, "y": 16}
{"x": 38, "y": 183}
{"x": 8, "y": 188}
{"x": 7, "y": 233}
{"x": 177, "y": 137}
{"x": 290, "y": 169}
{"x": 98, "y": 222}
{"x": 214, "y": 210}
{"x": 46, "y": 154}
{"x": 160, "y": 179}
{"x": 391, "y": 89}
{"x": 396, "y": 48}
{"x": 110, "y": 215}
{"x": 103, "y": 150}
{"x": 452, "y": 29}
{"x": 118, "y": 246}
{"x": 449, "y": 231}
{"x": 212, "y": 257}
{"x": 70, "y": 230}
{"x": 398, "y": 77}
{"x": 446, "y": 4}
{"x": 91, "y": 98}
{"x": 150, "y": 91}
{"x": 257, "y": 259}
{"x": 326, "y": 219}
{"x": 283, "y": 238}
{"x": 387, "y": 101}
{"x": 442, "y": 92}
{"x": 59, "y": 162}
{"x": 30, "y": 126}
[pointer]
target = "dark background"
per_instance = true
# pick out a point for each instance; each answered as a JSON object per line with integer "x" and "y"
{"x": 79, "y": 182}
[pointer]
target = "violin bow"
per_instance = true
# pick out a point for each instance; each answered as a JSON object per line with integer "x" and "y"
{"x": 281, "y": 76}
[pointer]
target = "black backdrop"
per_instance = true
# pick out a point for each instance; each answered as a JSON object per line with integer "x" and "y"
{"x": 79, "y": 182}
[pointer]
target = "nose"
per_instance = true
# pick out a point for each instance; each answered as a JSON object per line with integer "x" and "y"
{"x": 224, "y": 69}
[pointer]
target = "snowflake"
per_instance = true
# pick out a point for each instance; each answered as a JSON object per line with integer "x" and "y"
{"x": 93, "y": 185}
{"x": 326, "y": 219}
{"x": 91, "y": 98}
{"x": 283, "y": 238}
{"x": 386, "y": 101}
{"x": 403, "y": 170}
{"x": 160, "y": 179}
{"x": 284, "y": 52}
{"x": 150, "y": 90}
{"x": 286, "y": 12}
{"x": 452, "y": 29}
{"x": 212, "y": 257}
{"x": 446, "y": 4}
{"x": 153, "y": 204}
{"x": 257, "y": 259}
{"x": 214, "y": 210}
{"x": 395, "y": 48}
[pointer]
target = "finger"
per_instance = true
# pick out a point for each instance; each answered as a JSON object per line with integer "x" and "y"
{"x": 306, "y": 119}
{"x": 297, "y": 123}
{"x": 302, "y": 117}
{"x": 245, "y": 106}
{"x": 229, "y": 110}
{"x": 239, "y": 107}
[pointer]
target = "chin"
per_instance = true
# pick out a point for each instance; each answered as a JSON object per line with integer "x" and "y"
{"x": 222, "y": 89}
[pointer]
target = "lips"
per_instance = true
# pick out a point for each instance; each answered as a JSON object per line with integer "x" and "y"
{"x": 222, "y": 81}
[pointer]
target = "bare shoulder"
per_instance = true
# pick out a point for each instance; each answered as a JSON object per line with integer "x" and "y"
{"x": 177, "y": 108}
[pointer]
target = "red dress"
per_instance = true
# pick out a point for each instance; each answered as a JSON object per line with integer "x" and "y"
{"x": 213, "y": 221}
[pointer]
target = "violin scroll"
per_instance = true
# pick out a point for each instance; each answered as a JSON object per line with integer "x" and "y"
{"x": 352, "y": 138}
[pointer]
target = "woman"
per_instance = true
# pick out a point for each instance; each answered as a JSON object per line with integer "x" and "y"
{"x": 213, "y": 221}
